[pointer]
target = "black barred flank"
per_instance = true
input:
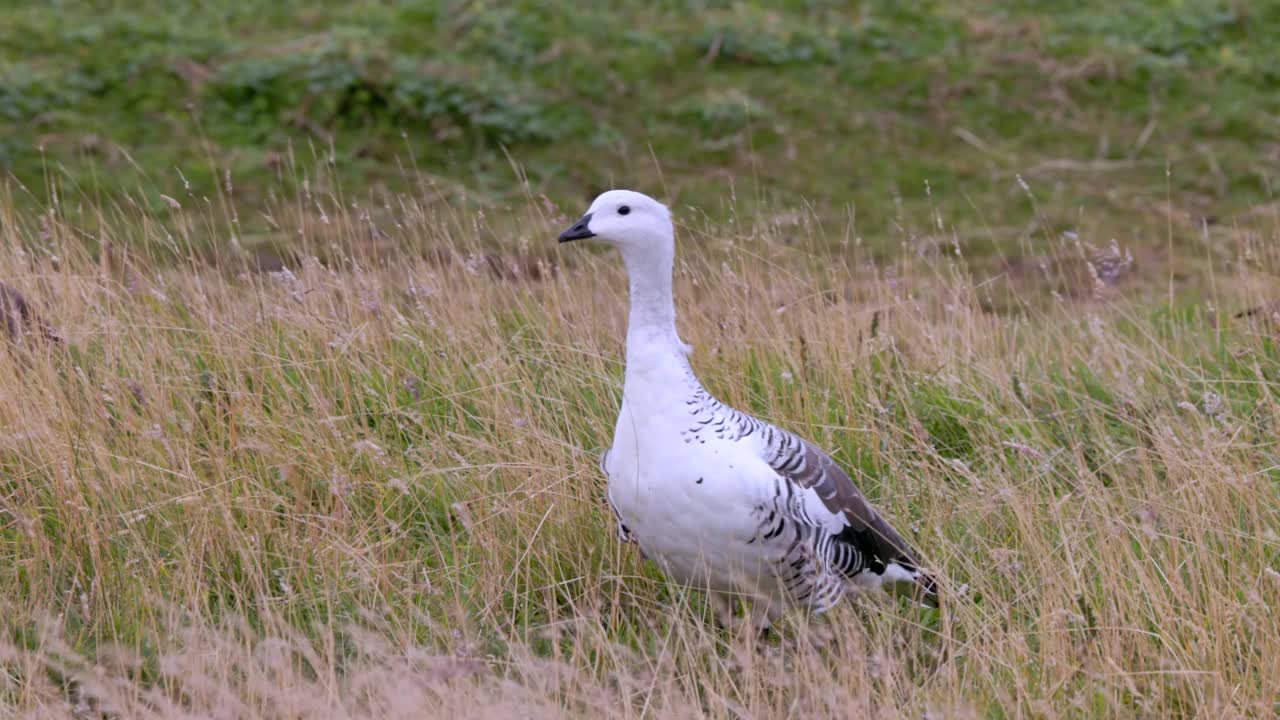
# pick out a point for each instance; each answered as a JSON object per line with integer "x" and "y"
{"x": 815, "y": 563}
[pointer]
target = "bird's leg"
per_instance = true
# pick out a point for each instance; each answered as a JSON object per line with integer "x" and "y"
{"x": 764, "y": 613}
{"x": 722, "y": 608}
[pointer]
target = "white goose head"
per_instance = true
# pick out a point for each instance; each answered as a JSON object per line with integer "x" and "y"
{"x": 635, "y": 223}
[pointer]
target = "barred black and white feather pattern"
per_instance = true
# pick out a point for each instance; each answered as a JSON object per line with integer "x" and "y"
{"x": 806, "y": 555}
{"x": 814, "y": 562}
{"x": 624, "y": 532}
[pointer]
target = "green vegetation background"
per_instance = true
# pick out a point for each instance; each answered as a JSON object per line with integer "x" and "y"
{"x": 1146, "y": 122}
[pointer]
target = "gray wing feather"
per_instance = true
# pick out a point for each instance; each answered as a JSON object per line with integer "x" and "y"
{"x": 799, "y": 462}
{"x": 805, "y": 465}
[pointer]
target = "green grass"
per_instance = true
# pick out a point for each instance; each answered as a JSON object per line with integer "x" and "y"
{"x": 916, "y": 120}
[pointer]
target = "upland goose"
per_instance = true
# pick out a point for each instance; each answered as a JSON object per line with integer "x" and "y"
{"x": 720, "y": 500}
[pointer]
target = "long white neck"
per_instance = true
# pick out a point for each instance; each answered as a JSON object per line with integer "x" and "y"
{"x": 655, "y": 353}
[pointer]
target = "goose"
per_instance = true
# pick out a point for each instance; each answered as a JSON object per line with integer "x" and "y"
{"x": 722, "y": 501}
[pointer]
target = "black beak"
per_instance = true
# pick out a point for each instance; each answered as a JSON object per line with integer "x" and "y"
{"x": 579, "y": 231}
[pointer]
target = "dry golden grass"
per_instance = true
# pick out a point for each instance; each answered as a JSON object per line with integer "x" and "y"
{"x": 367, "y": 487}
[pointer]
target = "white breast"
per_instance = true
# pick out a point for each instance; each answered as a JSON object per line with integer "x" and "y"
{"x": 688, "y": 505}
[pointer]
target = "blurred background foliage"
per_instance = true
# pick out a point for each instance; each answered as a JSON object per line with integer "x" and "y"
{"x": 992, "y": 123}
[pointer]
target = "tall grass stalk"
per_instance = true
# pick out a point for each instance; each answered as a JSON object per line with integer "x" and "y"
{"x": 364, "y": 483}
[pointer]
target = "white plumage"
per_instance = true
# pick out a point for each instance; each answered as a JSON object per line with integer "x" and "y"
{"x": 720, "y": 500}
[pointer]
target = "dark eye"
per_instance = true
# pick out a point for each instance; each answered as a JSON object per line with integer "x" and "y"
{"x": 624, "y": 209}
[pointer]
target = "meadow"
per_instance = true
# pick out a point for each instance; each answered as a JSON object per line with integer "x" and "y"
{"x": 318, "y": 435}
{"x": 366, "y": 486}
